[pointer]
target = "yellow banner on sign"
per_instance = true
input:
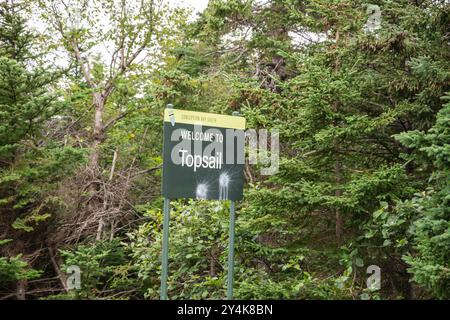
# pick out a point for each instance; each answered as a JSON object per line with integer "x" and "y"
{"x": 203, "y": 118}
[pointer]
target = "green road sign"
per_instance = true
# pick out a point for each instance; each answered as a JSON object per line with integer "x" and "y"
{"x": 203, "y": 155}
{"x": 203, "y": 158}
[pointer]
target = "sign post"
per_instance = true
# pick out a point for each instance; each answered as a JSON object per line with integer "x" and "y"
{"x": 165, "y": 250}
{"x": 231, "y": 252}
{"x": 203, "y": 158}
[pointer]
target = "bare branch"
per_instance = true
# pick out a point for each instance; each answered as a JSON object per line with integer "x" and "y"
{"x": 112, "y": 121}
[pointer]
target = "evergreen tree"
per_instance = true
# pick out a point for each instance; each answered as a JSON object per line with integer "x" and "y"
{"x": 430, "y": 208}
{"x": 341, "y": 100}
{"x": 31, "y": 165}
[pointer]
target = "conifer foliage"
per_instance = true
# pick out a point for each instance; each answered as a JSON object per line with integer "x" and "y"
{"x": 360, "y": 95}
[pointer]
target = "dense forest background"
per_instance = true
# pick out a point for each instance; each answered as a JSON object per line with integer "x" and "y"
{"x": 363, "y": 113}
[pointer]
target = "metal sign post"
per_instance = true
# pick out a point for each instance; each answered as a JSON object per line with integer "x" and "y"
{"x": 165, "y": 250}
{"x": 231, "y": 252}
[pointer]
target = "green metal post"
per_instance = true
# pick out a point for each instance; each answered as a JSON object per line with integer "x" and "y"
{"x": 230, "y": 279}
{"x": 165, "y": 250}
{"x": 231, "y": 252}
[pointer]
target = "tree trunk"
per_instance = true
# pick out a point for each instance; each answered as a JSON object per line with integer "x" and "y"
{"x": 212, "y": 262}
{"x": 21, "y": 290}
{"x": 337, "y": 164}
{"x": 338, "y": 193}
{"x": 94, "y": 156}
{"x": 97, "y": 132}
{"x": 57, "y": 262}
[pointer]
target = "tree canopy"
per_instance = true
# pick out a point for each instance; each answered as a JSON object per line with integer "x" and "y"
{"x": 360, "y": 96}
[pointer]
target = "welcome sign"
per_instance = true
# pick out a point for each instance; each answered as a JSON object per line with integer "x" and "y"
{"x": 203, "y": 155}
